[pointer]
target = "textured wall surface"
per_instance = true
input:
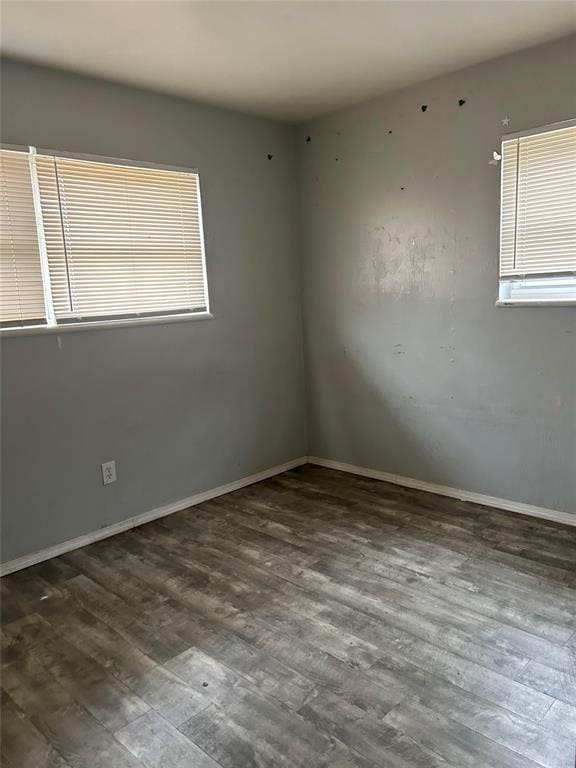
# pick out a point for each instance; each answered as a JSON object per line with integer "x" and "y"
{"x": 182, "y": 407}
{"x": 411, "y": 368}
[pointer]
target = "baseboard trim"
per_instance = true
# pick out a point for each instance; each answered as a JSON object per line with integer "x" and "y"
{"x": 409, "y": 482}
{"x": 146, "y": 517}
{"x": 445, "y": 490}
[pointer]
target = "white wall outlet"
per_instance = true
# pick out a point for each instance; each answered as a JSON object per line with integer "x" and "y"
{"x": 109, "y": 472}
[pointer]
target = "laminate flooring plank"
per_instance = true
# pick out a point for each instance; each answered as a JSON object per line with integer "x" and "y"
{"x": 90, "y": 685}
{"x": 514, "y": 731}
{"x": 255, "y": 667}
{"x": 284, "y": 738}
{"x": 561, "y": 718}
{"x": 23, "y": 745}
{"x": 158, "y": 744}
{"x": 385, "y": 745}
{"x": 69, "y": 728}
{"x": 559, "y": 683}
{"x": 111, "y": 650}
{"x": 454, "y": 742}
{"x": 133, "y": 625}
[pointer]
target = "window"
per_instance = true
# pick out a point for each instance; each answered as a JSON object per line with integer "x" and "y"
{"x": 538, "y": 217}
{"x": 90, "y": 240}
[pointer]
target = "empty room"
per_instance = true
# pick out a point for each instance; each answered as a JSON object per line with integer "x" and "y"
{"x": 288, "y": 357}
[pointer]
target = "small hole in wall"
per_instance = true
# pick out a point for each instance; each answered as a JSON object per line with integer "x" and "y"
{"x": 461, "y": 102}
{"x": 308, "y": 139}
{"x": 424, "y": 107}
{"x": 269, "y": 157}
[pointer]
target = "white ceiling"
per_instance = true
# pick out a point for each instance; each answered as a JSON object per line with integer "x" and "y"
{"x": 285, "y": 60}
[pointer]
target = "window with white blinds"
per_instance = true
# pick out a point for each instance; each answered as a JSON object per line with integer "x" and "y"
{"x": 538, "y": 215}
{"x": 117, "y": 241}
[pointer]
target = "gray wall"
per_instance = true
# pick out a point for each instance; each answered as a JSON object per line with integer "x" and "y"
{"x": 411, "y": 368}
{"x": 181, "y": 407}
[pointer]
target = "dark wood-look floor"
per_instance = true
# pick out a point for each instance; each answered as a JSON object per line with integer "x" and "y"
{"x": 315, "y": 619}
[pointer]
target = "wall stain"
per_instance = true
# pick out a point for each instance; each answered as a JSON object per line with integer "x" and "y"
{"x": 378, "y": 266}
{"x": 400, "y": 266}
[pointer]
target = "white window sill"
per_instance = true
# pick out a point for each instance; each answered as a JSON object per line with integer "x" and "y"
{"x": 536, "y": 303}
{"x": 100, "y": 325}
{"x": 537, "y": 291}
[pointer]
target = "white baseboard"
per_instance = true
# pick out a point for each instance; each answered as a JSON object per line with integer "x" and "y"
{"x": 445, "y": 490}
{"x": 176, "y": 506}
{"x": 146, "y": 517}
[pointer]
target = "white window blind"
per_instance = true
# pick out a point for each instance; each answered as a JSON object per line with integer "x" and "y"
{"x": 121, "y": 241}
{"x": 538, "y": 205}
{"x": 21, "y": 287}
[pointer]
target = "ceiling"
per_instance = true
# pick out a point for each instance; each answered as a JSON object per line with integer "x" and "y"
{"x": 285, "y": 60}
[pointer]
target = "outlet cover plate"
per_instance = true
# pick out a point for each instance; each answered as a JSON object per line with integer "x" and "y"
{"x": 109, "y": 472}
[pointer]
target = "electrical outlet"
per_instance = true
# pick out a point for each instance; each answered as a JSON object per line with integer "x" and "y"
{"x": 109, "y": 472}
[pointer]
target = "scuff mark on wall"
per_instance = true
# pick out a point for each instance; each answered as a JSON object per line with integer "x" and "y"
{"x": 400, "y": 266}
{"x": 378, "y": 266}
{"x": 420, "y": 257}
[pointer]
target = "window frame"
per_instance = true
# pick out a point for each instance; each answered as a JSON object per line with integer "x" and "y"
{"x": 53, "y": 327}
{"x": 524, "y": 291}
